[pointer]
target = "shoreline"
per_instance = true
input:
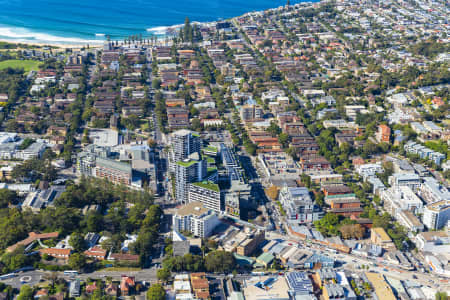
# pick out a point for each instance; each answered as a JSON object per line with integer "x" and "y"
{"x": 94, "y": 44}
{"x": 57, "y": 45}
{"x": 99, "y": 44}
{"x": 62, "y": 46}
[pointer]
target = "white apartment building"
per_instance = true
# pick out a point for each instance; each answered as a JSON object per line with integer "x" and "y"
{"x": 299, "y": 206}
{"x": 10, "y": 150}
{"x": 184, "y": 143}
{"x": 206, "y": 192}
{"x": 397, "y": 100}
{"x": 353, "y": 110}
{"x": 432, "y": 191}
{"x": 195, "y": 218}
{"x": 187, "y": 171}
{"x": 432, "y": 127}
{"x": 436, "y": 215}
{"x": 368, "y": 170}
{"x": 396, "y": 199}
{"x": 405, "y": 179}
{"x": 35, "y": 150}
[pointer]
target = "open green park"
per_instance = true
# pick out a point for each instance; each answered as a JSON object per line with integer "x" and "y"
{"x": 27, "y": 65}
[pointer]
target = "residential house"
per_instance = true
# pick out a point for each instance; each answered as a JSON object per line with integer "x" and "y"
{"x": 111, "y": 290}
{"x": 383, "y": 134}
{"x": 200, "y": 285}
{"x": 96, "y": 253}
{"x": 127, "y": 285}
{"x": 56, "y": 253}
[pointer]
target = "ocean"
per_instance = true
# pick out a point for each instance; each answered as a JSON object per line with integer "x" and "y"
{"x": 90, "y": 21}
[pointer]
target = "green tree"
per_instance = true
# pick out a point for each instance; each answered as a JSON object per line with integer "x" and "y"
{"x": 77, "y": 261}
{"x": 156, "y": 83}
{"x": 283, "y": 138}
{"x": 17, "y": 259}
{"x": 328, "y": 224}
{"x": 381, "y": 221}
{"x": 220, "y": 261}
{"x": 163, "y": 274}
{"x": 187, "y": 31}
{"x": 250, "y": 147}
{"x": 132, "y": 122}
{"x": 94, "y": 222}
{"x": 319, "y": 197}
{"x": 293, "y": 152}
{"x": 156, "y": 292}
{"x": 7, "y": 197}
{"x": 306, "y": 180}
{"x": 345, "y": 150}
{"x": 85, "y": 139}
{"x": 369, "y": 148}
{"x": 26, "y": 293}
{"x": 441, "y": 296}
{"x": 77, "y": 242}
{"x": 274, "y": 129}
{"x": 196, "y": 124}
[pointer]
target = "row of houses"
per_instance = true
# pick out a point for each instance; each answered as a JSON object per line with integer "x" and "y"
{"x": 126, "y": 287}
{"x": 424, "y": 152}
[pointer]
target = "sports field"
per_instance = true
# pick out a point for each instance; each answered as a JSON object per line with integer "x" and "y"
{"x": 27, "y": 65}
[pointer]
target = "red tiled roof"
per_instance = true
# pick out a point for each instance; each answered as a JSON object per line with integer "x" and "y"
{"x": 125, "y": 283}
{"x": 200, "y": 284}
{"x": 55, "y": 251}
{"x": 32, "y": 236}
{"x": 42, "y": 292}
{"x": 202, "y": 295}
{"x": 90, "y": 288}
{"x": 95, "y": 252}
{"x": 124, "y": 256}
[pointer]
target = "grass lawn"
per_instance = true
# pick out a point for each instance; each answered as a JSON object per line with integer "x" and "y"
{"x": 27, "y": 65}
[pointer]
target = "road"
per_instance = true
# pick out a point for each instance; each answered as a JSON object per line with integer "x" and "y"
{"x": 148, "y": 275}
{"x": 158, "y": 135}
{"x": 32, "y": 278}
{"x": 36, "y": 276}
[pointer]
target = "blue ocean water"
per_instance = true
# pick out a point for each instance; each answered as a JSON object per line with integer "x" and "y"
{"x": 75, "y": 21}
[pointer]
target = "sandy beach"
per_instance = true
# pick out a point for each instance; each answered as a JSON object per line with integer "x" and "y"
{"x": 160, "y": 42}
{"x": 57, "y": 45}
